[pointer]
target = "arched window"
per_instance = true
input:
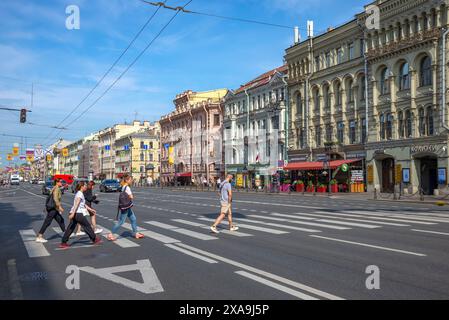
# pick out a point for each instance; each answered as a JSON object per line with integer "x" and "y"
{"x": 408, "y": 124}
{"x": 422, "y": 124}
{"x": 338, "y": 94}
{"x": 142, "y": 156}
{"x": 429, "y": 122}
{"x": 425, "y": 75}
{"x": 425, "y": 21}
{"x": 382, "y": 126}
{"x": 350, "y": 91}
{"x": 316, "y": 100}
{"x": 385, "y": 81}
{"x": 362, "y": 86}
{"x": 401, "y": 124}
{"x": 299, "y": 105}
{"x": 327, "y": 98}
{"x": 389, "y": 129}
{"x": 404, "y": 77}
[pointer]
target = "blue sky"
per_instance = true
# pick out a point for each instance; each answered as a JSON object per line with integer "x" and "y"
{"x": 194, "y": 52}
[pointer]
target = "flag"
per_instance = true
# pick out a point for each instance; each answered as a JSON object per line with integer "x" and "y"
{"x": 29, "y": 152}
{"x": 257, "y": 158}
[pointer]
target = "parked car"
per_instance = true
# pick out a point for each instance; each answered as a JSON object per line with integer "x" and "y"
{"x": 75, "y": 182}
{"x": 46, "y": 188}
{"x": 40, "y": 181}
{"x": 111, "y": 185}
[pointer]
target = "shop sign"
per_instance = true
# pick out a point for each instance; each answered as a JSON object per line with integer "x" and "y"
{"x": 357, "y": 175}
{"x": 442, "y": 179}
{"x": 406, "y": 175}
{"x": 344, "y": 168}
{"x": 298, "y": 158}
{"x": 427, "y": 148}
{"x": 360, "y": 155}
{"x": 239, "y": 179}
{"x": 398, "y": 173}
{"x": 370, "y": 173}
{"x": 321, "y": 157}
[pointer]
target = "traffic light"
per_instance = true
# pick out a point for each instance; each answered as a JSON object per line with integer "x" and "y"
{"x": 23, "y": 115}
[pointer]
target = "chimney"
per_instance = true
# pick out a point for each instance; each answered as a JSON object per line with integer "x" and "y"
{"x": 146, "y": 123}
{"x": 136, "y": 123}
{"x": 310, "y": 28}
{"x": 297, "y": 36}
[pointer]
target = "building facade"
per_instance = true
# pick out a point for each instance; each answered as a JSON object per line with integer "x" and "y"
{"x": 106, "y": 145}
{"x": 375, "y": 94}
{"x": 191, "y": 138}
{"x": 255, "y": 122}
{"x": 139, "y": 154}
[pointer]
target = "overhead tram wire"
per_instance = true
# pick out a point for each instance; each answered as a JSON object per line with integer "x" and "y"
{"x": 132, "y": 63}
{"x": 107, "y": 72}
{"x": 162, "y": 5}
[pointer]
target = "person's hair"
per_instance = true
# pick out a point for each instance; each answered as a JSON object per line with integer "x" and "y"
{"x": 80, "y": 185}
{"x": 91, "y": 183}
{"x": 57, "y": 180}
{"x": 127, "y": 177}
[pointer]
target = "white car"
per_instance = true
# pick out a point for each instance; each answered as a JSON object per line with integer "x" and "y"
{"x": 41, "y": 182}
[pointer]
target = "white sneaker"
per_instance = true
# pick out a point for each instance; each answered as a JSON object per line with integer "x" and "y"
{"x": 81, "y": 233}
{"x": 41, "y": 240}
{"x": 214, "y": 229}
{"x": 234, "y": 228}
{"x": 97, "y": 230}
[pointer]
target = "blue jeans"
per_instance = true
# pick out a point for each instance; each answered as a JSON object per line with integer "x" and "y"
{"x": 126, "y": 213}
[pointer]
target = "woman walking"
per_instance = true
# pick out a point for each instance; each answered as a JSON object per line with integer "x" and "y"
{"x": 54, "y": 212}
{"x": 78, "y": 214}
{"x": 125, "y": 207}
{"x": 90, "y": 198}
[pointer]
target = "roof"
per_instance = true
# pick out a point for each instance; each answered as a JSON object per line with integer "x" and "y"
{"x": 262, "y": 79}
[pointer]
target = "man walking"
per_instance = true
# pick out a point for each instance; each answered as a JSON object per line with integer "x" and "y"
{"x": 225, "y": 201}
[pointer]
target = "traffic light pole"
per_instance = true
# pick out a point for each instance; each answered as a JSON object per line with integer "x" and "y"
{"x": 23, "y": 113}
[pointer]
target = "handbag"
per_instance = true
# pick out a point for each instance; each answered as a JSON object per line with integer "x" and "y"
{"x": 50, "y": 203}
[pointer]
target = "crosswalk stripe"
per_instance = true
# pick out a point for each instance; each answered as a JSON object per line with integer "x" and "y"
{"x": 159, "y": 237}
{"x": 33, "y": 248}
{"x": 203, "y": 226}
{"x": 275, "y": 285}
{"x": 410, "y": 217}
{"x": 280, "y": 225}
{"x": 365, "y": 216}
{"x": 251, "y": 227}
{"x": 310, "y": 223}
{"x": 59, "y": 232}
{"x": 360, "y": 225}
{"x": 121, "y": 242}
{"x": 186, "y": 232}
{"x": 433, "y": 232}
{"x": 192, "y": 254}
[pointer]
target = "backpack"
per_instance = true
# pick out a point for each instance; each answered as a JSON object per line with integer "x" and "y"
{"x": 50, "y": 203}
{"x": 124, "y": 202}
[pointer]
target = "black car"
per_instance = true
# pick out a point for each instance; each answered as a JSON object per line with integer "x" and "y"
{"x": 111, "y": 185}
{"x": 46, "y": 188}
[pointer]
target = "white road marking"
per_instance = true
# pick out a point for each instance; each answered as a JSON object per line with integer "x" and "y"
{"x": 264, "y": 273}
{"x": 203, "y": 226}
{"x": 186, "y": 232}
{"x": 371, "y": 246}
{"x": 310, "y": 223}
{"x": 151, "y": 283}
{"x": 433, "y": 232}
{"x": 33, "y": 248}
{"x": 251, "y": 227}
{"x": 192, "y": 254}
{"x": 121, "y": 242}
{"x": 275, "y": 285}
{"x": 375, "y": 217}
{"x": 159, "y": 237}
{"x": 280, "y": 225}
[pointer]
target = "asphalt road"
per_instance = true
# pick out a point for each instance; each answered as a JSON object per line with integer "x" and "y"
{"x": 286, "y": 248}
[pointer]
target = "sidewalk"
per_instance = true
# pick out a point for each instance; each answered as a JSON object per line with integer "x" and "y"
{"x": 381, "y": 197}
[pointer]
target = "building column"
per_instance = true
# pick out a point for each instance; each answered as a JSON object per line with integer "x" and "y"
{"x": 414, "y": 175}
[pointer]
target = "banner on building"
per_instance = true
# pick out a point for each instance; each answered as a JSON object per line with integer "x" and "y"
{"x": 9, "y": 157}
{"x": 22, "y": 157}
{"x": 38, "y": 152}
{"x": 15, "y": 151}
{"x": 239, "y": 182}
{"x": 171, "y": 155}
{"x": 30, "y": 157}
{"x": 370, "y": 174}
{"x": 65, "y": 152}
{"x": 398, "y": 173}
{"x": 48, "y": 157}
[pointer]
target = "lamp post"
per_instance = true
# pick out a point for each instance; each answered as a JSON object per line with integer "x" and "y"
{"x": 328, "y": 148}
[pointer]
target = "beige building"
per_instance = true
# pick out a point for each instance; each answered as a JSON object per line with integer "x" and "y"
{"x": 139, "y": 154}
{"x": 193, "y": 135}
{"x": 106, "y": 145}
{"x": 396, "y": 121}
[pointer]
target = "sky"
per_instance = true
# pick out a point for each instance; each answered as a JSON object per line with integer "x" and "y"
{"x": 193, "y": 53}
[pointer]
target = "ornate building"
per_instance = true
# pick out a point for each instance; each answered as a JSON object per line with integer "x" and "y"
{"x": 396, "y": 120}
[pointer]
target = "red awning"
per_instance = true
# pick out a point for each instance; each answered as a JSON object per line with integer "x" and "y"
{"x": 185, "y": 174}
{"x": 304, "y": 166}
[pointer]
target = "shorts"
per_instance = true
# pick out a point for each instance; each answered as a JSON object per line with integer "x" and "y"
{"x": 225, "y": 207}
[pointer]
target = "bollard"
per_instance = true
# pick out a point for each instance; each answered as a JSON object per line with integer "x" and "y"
{"x": 375, "y": 194}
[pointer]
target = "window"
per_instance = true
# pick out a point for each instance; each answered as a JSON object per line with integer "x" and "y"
{"x": 421, "y": 124}
{"x": 317, "y": 63}
{"x": 429, "y": 121}
{"x": 389, "y": 127}
{"x": 258, "y": 102}
{"x": 340, "y": 131}
{"x": 275, "y": 122}
{"x": 363, "y": 133}
{"x": 298, "y": 105}
{"x": 301, "y": 139}
{"x": 408, "y": 124}
{"x": 318, "y": 136}
{"x": 216, "y": 120}
{"x": 338, "y": 94}
{"x": 404, "y": 77}
{"x": 142, "y": 169}
{"x": 352, "y": 128}
{"x": 327, "y": 99}
{"x": 350, "y": 92}
{"x": 362, "y": 47}
{"x": 142, "y": 145}
{"x": 385, "y": 81}
{"x": 328, "y": 59}
{"x": 151, "y": 145}
{"x": 425, "y": 75}
{"x": 339, "y": 55}
{"x": 399, "y": 32}
{"x": 151, "y": 157}
{"x": 362, "y": 89}
{"x": 382, "y": 126}
{"x": 401, "y": 125}
{"x": 316, "y": 99}
{"x": 351, "y": 50}
{"x": 329, "y": 130}
{"x": 425, "y": 22}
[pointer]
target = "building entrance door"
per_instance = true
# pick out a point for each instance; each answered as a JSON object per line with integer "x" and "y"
{"x": 388, "y": 175}
{"x": 429, "y": 175}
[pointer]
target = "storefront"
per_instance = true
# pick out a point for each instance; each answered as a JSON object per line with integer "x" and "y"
{"x": 418, "y": 166}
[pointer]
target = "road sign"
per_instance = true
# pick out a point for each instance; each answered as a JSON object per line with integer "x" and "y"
{"x": 151, "y": 283}
{"x": 344, "y": 167}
